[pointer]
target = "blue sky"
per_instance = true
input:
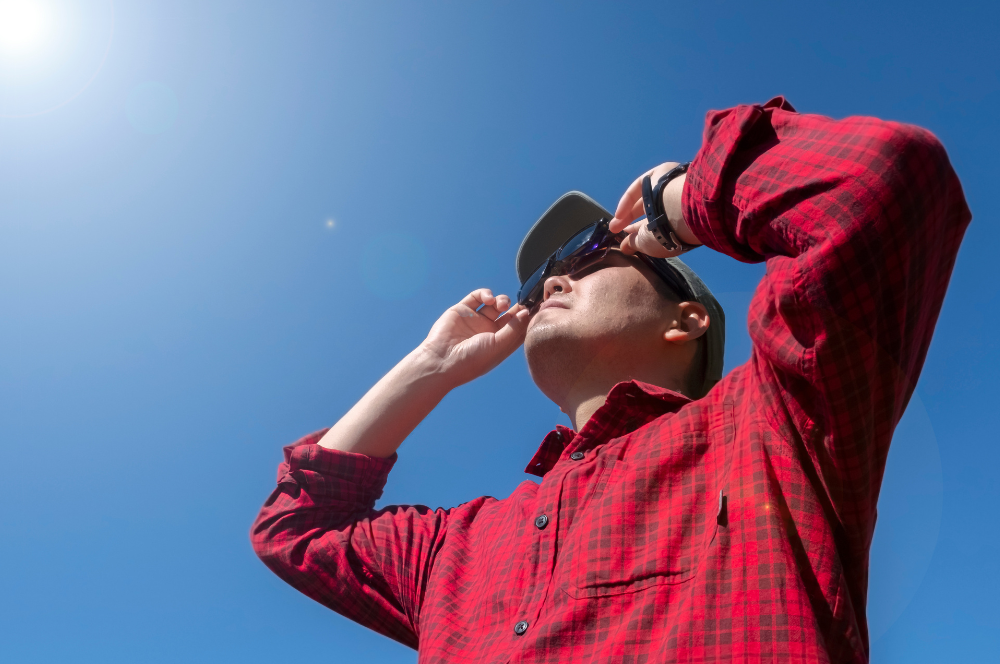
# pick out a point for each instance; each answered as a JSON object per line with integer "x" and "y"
{"x": 193, "y": 273}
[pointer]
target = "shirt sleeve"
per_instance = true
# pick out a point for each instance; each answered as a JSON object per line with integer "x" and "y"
{"x": 859, "y": 221}
{"x": 320, "y": 533}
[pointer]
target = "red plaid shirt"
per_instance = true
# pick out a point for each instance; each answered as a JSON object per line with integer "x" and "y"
{"x": 734, "y": 527}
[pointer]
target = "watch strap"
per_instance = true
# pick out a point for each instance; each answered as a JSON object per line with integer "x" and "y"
{"x": 656, "y": 216}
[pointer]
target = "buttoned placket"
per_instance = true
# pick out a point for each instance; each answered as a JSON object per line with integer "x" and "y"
{"x": 545, "y": 527}
{"x": 545, "y": 522}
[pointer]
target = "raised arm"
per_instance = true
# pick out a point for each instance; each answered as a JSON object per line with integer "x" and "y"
{"x": 462, "y": 345}
{"x": 859, "y": 221}
{"x": 319, "y": 530}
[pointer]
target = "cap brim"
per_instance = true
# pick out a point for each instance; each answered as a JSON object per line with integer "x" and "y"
{"x": 571, "y": 213}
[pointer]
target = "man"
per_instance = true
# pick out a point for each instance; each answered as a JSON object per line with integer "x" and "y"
{"x": 680, "y": 519}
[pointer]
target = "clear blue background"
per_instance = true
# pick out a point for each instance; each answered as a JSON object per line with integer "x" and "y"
{"x": 190, "y": 279}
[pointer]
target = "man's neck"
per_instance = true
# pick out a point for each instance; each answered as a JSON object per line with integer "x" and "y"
{"x": 584, "y": 410}
{"x": 586, "y": 400}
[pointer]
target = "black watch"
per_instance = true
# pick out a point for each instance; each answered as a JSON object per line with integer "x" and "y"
{"x": 656, "y": 217}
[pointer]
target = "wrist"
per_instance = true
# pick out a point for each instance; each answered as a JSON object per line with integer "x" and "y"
{"x": 428, "y": 368}
{"x": 390, "y": 410}
{"x": 673, "y": 207}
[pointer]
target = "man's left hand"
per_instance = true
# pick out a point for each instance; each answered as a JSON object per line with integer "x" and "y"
{"x": 630, "y": 208}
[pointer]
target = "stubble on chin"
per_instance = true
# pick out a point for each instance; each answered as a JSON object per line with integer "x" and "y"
{"x": 554, "y": 356}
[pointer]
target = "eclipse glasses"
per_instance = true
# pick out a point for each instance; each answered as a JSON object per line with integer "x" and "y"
{"x": 583, "y": 250}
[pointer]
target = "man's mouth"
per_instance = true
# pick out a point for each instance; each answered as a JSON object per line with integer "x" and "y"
{"x": 548, "y": 304}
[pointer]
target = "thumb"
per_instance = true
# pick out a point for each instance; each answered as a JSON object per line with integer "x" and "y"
{"x": 512, "y": 334}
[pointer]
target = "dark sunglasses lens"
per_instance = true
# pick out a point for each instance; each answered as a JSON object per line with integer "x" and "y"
{"x": 531, "y": 289}
{"x": 588, "y": 239}
{"x": 583, "y": 261}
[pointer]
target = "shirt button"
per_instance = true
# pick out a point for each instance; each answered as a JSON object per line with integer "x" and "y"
{"x": 521, "y": 627}
{"x": 576, "y": 456}
{"x": 540, "y": 523}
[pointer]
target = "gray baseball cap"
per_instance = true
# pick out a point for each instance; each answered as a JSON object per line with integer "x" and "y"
{"x": 575, "y": 211}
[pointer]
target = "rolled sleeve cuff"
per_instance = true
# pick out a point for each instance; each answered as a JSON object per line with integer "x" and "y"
{"x": 708, "y": 198}
{"x": 332, "y": 475}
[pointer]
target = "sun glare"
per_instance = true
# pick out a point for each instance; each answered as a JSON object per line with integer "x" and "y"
{"x": 24, "y": 25}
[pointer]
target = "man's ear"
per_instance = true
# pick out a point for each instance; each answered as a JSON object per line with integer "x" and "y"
{"x": 691, "y": 321}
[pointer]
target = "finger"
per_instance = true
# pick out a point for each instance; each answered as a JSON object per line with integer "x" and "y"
{"x": 630, "y": 230}
{"x": 628, "y": 246}
{"x": 646, "y": 243}
{"x": 630, "y": 206}
{"x": 511, "y": 335}
{"x": 477, "y": 298}
{"x": 626, "y": 204}
{"x": 506, "y": 307}
{"x": 495, "y": 311}
{"x": 505, "y": 317}
{"x": 638, "y": 209}
{"x": 489, "y": 312}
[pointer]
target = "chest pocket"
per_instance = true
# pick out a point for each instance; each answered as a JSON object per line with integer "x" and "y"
{"x": 650, "y": 520}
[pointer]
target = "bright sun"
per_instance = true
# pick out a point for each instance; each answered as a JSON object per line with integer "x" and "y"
{"x": 24, "y": 25}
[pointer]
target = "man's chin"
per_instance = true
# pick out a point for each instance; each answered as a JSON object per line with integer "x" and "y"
{"x": 551, "y": 336}
{"x": 544, "y": 325}
{"x": 555, "y": 356}
{"x": 547, "y": 316}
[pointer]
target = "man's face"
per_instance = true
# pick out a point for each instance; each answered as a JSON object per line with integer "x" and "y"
{"x": 610, "y": 312}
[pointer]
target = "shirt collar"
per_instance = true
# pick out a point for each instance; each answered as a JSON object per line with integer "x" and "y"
{"x": 629, "y": 405}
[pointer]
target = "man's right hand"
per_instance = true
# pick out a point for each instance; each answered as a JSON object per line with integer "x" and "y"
{"x": 469, "y": 343}
{"x": 462, "y": 345}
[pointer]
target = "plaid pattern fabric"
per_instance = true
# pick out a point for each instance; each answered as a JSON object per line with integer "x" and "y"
{"x": 731, "y": 528}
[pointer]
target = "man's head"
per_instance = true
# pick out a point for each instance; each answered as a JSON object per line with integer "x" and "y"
{"x": 617, "y": 319}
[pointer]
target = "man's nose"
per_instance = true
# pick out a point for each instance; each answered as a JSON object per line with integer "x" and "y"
{"x": 556, "y": 284}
